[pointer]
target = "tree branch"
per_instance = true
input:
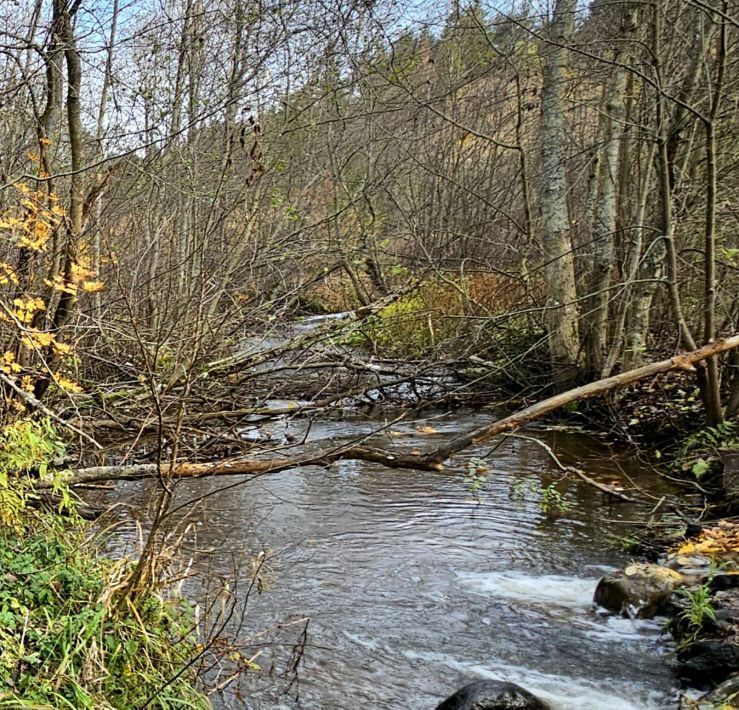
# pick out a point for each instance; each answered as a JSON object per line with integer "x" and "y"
{"x": 430, "y": 460}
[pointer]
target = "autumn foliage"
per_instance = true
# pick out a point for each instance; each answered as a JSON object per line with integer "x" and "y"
{"x": 31, "y": 283}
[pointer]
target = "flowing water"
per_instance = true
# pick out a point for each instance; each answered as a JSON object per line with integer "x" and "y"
{"x": 415, "y": 583}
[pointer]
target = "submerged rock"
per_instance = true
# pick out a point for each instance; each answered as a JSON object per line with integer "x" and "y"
{"x": 641, "y": 590}
{"x": 492, "y": 695}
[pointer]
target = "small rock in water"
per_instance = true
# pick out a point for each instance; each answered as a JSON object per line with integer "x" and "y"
{"x": 640, "y": 591}
{"x": 492, "y": 695}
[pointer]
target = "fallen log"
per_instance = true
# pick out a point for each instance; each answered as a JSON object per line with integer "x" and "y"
{"x": 241, "y": 465}
{"x": 684, "y": 361}
{"x": 430, "y": 460}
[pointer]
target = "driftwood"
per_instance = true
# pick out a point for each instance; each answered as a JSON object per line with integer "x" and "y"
{"x": 430, "y": 460}
{"x": 148, "y": 424}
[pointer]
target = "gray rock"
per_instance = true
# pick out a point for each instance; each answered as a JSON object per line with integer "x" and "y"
{"x": 708, "y": 660}
{"x": 640, "y": 591}
{"x": 492, "y": 695}
{"x": 726, "y": 692}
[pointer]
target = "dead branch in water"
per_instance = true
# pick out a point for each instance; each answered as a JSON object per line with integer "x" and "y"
{"x": 430, "y": 460}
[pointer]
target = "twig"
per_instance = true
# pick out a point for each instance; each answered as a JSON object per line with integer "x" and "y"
{"x": 29, "y": 399}
{"x": 609, "y": 490}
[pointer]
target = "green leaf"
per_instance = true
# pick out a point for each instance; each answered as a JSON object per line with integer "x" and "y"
{"x": 700, "y": 468}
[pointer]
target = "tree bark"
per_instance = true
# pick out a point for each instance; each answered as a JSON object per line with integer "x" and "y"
{"x": 713, "y": 378}
{"x": 561, "y": 310}
{"x": 606, "y": 216}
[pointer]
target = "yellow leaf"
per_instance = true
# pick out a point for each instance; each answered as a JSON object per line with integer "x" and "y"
{"x": 93, "y": 286}
{"x": 61, "y": 348}
{"x": 67, "y": 385}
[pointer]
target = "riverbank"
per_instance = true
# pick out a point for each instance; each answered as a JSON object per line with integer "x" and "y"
{"x": 695, "y": 585}
{"x": 79, "y": 630}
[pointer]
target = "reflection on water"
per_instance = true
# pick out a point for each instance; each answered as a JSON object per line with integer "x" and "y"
{"x": 414, "y": 585}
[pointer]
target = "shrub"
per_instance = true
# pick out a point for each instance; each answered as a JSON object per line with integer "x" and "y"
{"x": 70, "y": 634}
{"x": 450, "y": 315}
{"x": 28, "y": 450}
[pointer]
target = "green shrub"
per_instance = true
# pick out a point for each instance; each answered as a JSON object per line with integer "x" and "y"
{"x": 405, "y": 328}
{"x": 28, "y": 450}
{"x": 64, "y": 643}
{"x": 70, "y": 634}
{"x": 453, "y": 315}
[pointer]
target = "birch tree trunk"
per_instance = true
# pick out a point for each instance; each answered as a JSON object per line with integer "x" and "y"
{"x": 559, "y": 264}
{"x": 606, "y": 215}
{"x": 653, "y": 266}
{"x": 713, "y": 376}
{"x": 640, "y": 285}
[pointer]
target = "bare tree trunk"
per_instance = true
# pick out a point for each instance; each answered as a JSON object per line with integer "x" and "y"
{"x": 561, "y": 312}
{"x": 713, "y": 379}
{"x": 708, "y": 375}
{"x": 100, "y": 134}
{"x": 74, "y": 219}
{"x": 664, "y": 163}
{"x": 732, "y": 406}
{"x": 606, "y": 216}
{"x": 640, "y": 285}
{"x": 180, "y": 223}
{"x": 653, "y": 266}
{"x": 76, "y": 198}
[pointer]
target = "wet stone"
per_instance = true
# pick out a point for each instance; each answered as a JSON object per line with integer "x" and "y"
{"x": 492, "y": 695}
{"x": 639, "y": 591}
{"x": 723, "y": 581}
{"x": 708, "y": 660}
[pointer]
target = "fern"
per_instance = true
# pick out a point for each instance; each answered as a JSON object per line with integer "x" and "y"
{"x": 715, "y": 437}
{"x": 710, "y": 439}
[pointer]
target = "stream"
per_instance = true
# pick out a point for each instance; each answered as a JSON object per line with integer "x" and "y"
{"x": 417, "y": 582}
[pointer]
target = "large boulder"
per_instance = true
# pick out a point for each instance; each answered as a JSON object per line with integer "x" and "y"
{"x": 641, "y": 590}
{"x": 492, "y": 695}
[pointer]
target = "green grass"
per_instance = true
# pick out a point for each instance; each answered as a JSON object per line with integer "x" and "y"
{"x": 72, "y": 635}
{"x": 68, "y": 641}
